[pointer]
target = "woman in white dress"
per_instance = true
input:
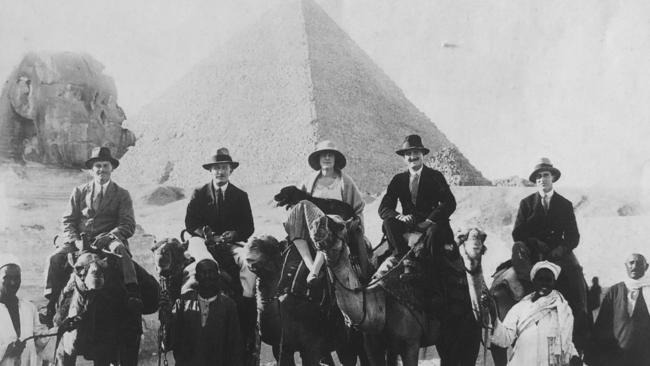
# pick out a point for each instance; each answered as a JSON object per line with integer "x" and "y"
{"x": 327, "y": 181}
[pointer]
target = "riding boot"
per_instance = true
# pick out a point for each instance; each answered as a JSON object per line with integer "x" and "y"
{"x": 134, "y": 299}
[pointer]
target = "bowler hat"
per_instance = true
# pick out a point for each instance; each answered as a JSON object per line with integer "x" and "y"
{"x": 412, "y": 142}
{"x": 544, "y": 165}
{"x": 101, "y": 153}
{"x": 326, "y": 146}
{"x": 221, "y": 156}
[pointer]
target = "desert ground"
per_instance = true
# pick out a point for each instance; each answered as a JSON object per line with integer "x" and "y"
{"x": 34, "y": 196}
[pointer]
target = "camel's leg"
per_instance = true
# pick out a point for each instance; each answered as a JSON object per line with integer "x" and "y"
{"x": 375, "y": 346}
{"x": 499, "y": 355}
{"x": 409, "y": 354}
{"x": 311, "y": 357}
{"x": 391, "y": 358}
{"x": 284, "y": 357}
{"x": 353, "y": 348}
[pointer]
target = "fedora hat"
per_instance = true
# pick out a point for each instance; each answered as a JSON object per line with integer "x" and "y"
{"x": 101, "y": 154}
{"x": 221, "y": 156}
{"x": 544, "y": 165}
{"x": 326, "y": 146}
{"x": 412, "y": 142}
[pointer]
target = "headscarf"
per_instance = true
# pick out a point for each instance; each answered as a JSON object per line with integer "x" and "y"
{"x": 7, "y": 259}
{"x": 548, "y": 265}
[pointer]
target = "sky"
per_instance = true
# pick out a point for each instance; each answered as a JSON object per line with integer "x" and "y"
{"x": 507, "y": 82}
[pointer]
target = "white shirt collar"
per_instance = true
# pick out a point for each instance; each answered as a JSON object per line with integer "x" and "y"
{"x": 549, "y": 193}
{"x": 414, "y": 172}
{"x": 223, "y": 187}
{"x": 103, "y": 186}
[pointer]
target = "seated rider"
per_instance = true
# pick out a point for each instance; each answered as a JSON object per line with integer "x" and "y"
{"x": 328, "y": 181}
{"x": 426, "y": 200}
{"x": 103, "y": 212}
{"x": 219, "y": 214}
{"x": 546, "y": 229}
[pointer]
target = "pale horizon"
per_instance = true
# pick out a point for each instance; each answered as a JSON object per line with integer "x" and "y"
{"x": 506, "y": 83}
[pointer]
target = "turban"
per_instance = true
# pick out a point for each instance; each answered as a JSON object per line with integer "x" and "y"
{"x": 7, "y": 259}
{"x": 545, "y": 264}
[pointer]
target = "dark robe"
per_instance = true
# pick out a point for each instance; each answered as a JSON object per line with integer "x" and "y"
{"x": 621, "y": 339}
{"x": 218, "y": 343}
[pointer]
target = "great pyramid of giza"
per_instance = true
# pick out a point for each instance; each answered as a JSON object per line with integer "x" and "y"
{"x": 275, "y": 90}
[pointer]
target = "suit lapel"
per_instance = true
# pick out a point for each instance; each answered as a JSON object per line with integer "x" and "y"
{"x": 109, "y": 195}
{"x": 537, "y": 204}
{"x": 88, "y": 194}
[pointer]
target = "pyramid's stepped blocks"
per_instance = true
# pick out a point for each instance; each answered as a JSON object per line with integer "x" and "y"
{"x": 291, "y": 80}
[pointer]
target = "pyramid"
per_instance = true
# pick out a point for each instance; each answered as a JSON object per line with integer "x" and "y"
{"x": 269, "y": 95}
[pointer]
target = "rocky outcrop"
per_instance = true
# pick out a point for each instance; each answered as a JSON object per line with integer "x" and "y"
{"x": 55, "y": 107}
{"x": 513, "y": 181}
{"x": 456, "y": 168}
{"x": 269, "y": 95}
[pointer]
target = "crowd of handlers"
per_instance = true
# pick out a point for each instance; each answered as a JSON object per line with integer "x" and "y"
{"x": 428, "y": 288}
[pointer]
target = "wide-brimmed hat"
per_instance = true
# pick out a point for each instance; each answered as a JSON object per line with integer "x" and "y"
{"x": 221, "y": 156}
{"x": 101, "y": 154}
{"x": 326, "y": 146}
{"x": 412, "y": 142}
{"x": 544, "y": 165}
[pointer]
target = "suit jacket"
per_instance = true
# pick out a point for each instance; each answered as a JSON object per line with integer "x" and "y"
{"x": 617, "y": 333}
{"x": 114, "y": 215}
{"x": 237, "y": 215}
{"x": 434, "y": 200}
{"x": 557, "y": 227}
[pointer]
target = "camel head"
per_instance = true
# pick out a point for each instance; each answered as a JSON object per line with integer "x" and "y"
{"x": 472, "y": 242}
{"x": 327, "y": 233}
{"x": 263, "y": 255}
{"x": 89, "y": 271}
{"x": 169, "y": 256}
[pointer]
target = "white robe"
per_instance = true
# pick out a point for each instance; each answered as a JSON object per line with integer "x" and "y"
{"x": 530, "y": 324}
{"x": 29, "y": 325}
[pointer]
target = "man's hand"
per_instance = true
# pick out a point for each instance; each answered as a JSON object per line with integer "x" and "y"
{"x": 558, "y": 252}
{"x": 103, "y": 241}
{"x": 405, "y": 218}
{"x": 229, "y": 236}
{"x": 14, "y": 349}
{"x": 79, "y": 244}
{"x": 68, "y": 324}
{"x": 424, "y": 225}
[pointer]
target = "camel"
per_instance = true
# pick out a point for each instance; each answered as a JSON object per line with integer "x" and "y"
{"x": 95, "y": 297}
{"x": 289, "y": 323}
{"x": 390, "y": 327}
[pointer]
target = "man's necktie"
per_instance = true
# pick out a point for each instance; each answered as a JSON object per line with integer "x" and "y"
{"x": 414, "y": 187}
{"x": 545, "y": 202}
{"x": 98, "y": 199}
{"x": 219, "y": 202}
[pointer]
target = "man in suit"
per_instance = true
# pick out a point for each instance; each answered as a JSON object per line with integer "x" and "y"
{"x": 425, "y": 197}
{"x": 622, "y": 329}
{"x": 546, "y": 229}
{"x": 103, "y": 212}
{"x": 220, "y": 214}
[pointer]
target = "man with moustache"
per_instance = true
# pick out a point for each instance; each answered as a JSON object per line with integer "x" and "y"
{"x": 540, "y": 326}
{"x": 103, "y": 212}
{"x": 546, "y": 229}
{"x": 425, "y": 197}
{"x": 219, "y": 214}
{"x": 622, "y": 329}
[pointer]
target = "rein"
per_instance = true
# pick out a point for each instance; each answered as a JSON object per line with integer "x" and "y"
{"x": 363, "y": 288}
